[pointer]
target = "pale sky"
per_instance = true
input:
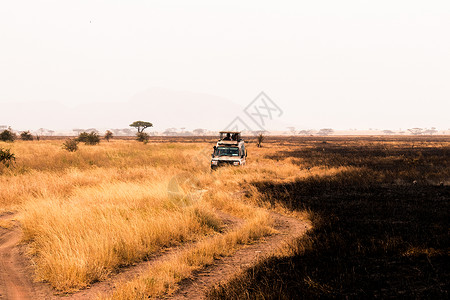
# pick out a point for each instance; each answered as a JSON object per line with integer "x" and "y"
{"x": 340, "y": 64}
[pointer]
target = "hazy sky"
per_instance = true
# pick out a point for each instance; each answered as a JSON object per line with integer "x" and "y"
{"x": 341, "y": 64}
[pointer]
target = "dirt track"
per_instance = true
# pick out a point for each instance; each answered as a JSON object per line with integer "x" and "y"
{"x": 16, "y": 272}
{"x": 195, "y": 288}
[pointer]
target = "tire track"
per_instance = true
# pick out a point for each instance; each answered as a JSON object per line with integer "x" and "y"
{"x": 15, "y": 273}
{"x": 196, "y": 287}
{"x": 128, "y": 273}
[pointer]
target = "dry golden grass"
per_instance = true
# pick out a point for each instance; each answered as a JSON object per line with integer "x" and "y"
{"x": 88, "y": 213}
{"x": 163, "y": 278}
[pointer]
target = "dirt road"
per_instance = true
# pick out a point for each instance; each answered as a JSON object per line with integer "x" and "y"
{"x": 16, "y": 271}
{"x": 15, "y": 280}
{"x": 195, "y": 288}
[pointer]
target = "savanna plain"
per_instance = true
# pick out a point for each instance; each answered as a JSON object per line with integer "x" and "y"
{"x": 343, "y": 217}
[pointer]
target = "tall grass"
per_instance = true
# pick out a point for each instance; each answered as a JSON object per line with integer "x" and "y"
{"x": 88, "y": 213}
{"x": 88, "y": 235}
{"x": 164, "y": 277}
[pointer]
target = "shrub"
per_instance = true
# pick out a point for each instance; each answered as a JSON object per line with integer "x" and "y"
{"x": 7, "y": 136}
{"x": 6, "y": 157}
{"x": 89, "y": 138}
{"x": 108, "y": 135}
{"x": 71, "y": 145}
{"x": 142, "y": 137}
{"x": 26, "y": 136}
{"x": 82, "y": 137}
{"x": 93, "y": 138}
{"x": 259, "y": 140}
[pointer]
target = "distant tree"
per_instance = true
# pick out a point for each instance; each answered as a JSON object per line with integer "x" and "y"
{"x": 7, "y": 135}
{"x": 71, "y": 145}
{"x": 6, "y": 157}
{"x": 117, "y": 132}
{"x": 43, "y": 132}
{"x": 199, "y": 131}
{"x": 127, "y": 131}
{"x": 325, "y": 131}
{"x": 291, "y": 130}
{"x": 26, "y": 136}
{"x": 388, "y": 132}
{"x": 259, "y": 140}
{"x": 92, "y": 130}
{"x": 186, "y": 133}
{"x": 78, "y": 131}
{"x": 142, "y": 137}
{"x": 306, "y": 132}
{"x": 430, "y": 131}
{"x": 108, "y": 135}
{"x": 141, "y": 125}
{"x": 170, "y": 131}
{"x": 416, "y": 131}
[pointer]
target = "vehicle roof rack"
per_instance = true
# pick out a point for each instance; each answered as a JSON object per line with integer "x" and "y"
{"x": 229, "y": 132}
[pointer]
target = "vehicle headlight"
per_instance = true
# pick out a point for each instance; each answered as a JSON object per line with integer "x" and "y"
{"x": 236, "y": 163}
{"x": 214, "y": 162}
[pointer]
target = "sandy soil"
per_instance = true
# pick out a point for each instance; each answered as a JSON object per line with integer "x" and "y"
{"x": 15, "y": 269}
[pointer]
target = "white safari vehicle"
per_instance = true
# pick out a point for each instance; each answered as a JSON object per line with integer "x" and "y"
{"x": 230, "y": 150}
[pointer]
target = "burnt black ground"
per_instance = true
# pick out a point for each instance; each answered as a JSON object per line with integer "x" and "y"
{"x": 381, "y": 230}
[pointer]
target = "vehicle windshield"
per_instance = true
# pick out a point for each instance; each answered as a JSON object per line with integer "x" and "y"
{"x": 227, "y": 151}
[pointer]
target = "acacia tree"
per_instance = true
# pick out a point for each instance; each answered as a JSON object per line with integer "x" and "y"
{"x": 430, "y": 131}
{"x": 416, "y": 131}
{"x": 108, "y": 135}
{"x": 306, "y": 132}
{"x": 141, "y": 125}
{"x": 325, "y": 131}
{"x": 291, "y": 130}
{"x": 199, "y": 131}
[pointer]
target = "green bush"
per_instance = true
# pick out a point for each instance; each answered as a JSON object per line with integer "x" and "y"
{"x": 142, "y": 137}
{"x": 92, "y": 138}
{"x": 26, "y": 136}
{"x": 7, "y": 136}
{"x": 108, "y": 135}
{"x": 71, "y": 145}
{"x": 82, "y": 137}
{"x": 6, "y": 157}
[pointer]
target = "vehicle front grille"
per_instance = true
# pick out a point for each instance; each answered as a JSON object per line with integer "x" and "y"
{"x": 225, "y": 163}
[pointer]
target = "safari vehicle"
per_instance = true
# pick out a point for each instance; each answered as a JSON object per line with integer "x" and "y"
{"x": 230, "y": 150}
